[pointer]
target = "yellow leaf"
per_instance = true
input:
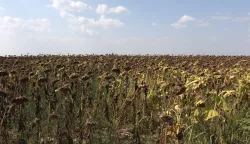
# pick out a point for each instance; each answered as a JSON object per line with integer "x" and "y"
{"x": 196, "y": 112}
{"x": 200, "y": 103}
{"x": 177, "y": 107}
{"x": 224, "y": 105}
{"x": 211, "y": 114}
{"x": 228, "y": 93}
{"x": 57, "y": 90}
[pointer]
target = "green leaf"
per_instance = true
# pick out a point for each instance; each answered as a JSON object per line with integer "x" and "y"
{"x": 217, "y": 99}
{"x": 211, "y": 114}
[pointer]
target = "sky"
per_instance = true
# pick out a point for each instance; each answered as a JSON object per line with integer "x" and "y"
{"x": 125, "y": 27}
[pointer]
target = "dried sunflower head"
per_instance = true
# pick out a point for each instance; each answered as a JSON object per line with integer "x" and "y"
{"x": 181, "y": 91}
{"x": 108, "y": 77}
{"x": 53, "y": 115}
{"x": 22, "y": 141}
{"x": 116, "y": 70}
{"x": 47, "y": 70}
{"x": 13, "y": 72}
{"x": 127, "y": 68}
{"x": 167, "y": 118}
{"x": 90, "y": 123}
{"x": 20, "y": 100}
{"x": 3, "y": 94}
{"x": 55, "y": 81}
{"x": 65, "y": 88}
{"x": 85, "y": 77}
{"x": 42, "y": 80}
{"x": 76, "y": 62}
{"x": 4, "y": 73}
{"x": 31, "y": 73}
{"x": 24, "y": 80}
{"x": 74, "y": 76}
{"x": 124, "y": 134}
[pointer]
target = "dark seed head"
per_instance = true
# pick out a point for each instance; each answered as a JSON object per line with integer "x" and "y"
{"x": 20, "y": 100}
{"x": 42, "y": 80}
{"x": 55, "y": 81}
{"x": 181, "y": 91}
{"x": 47, "y": 70}
{"x": 22, "y": 141}
{"x": 59, "y": 66}
{"x": 167, "y": 118}
{"x": 24, "y": 80}
{"x": 74, "y": 76}
{"x": 116, "y": 70}
{"x": 13, "y": 72}
{"x": 108, "y": 77}
{"x": 65, "y": 89}
{"x": 128, "y": 68}
{"x": 53, "y": 115}
{"x": 3, "y": 94}
{"x": 76, "y": 62}
{"x": 124, "y": 134}
{"x": 4, "y": 73}
{"x": 31, "y": 73}
{"x": 90, "y": 123}
{"x": 85, "y": 77}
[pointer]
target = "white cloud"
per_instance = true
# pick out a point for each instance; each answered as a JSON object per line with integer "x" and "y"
{"x": 86, "y": 25}
{"x": 73, "y": 22}
{"x": 241, "y": 19}
{"x": 90, "y": 8}
{"x": 78, "y": 23}
{"x": 1, "y": 8}
{"x": 85, "y": 29}
{"x": 178, "y": 25}
{"x": 101, "y": 22}
{"x": 185, "y": 19}
{"x": 83, "y": 24}
{"x": 109, "y": 23}
{"x": 104, "y": 9}
{"x": 38, "y": 25}
{"x": 203, "y": 23}
{"x": 221, "y": 17}
{"x": 181, "y": 22}
{"x": 10, "y": 25}
{"x": 153, "y": 24}
{"x": 69, "y": 5}
{"x": 235, "y": 19}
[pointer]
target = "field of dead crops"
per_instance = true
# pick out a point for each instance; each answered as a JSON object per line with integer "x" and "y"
{"x": 110, "y": 99}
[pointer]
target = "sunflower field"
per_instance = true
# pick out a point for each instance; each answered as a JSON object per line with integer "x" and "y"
{"x": 111, "y": 99}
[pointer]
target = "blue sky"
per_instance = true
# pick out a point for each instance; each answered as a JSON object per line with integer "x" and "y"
{"x": 125, "y": 27}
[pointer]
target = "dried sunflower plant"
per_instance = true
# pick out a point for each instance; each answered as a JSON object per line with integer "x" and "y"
{"x": 100, "y": 99}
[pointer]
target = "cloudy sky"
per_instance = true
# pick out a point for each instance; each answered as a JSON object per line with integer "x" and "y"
{"x": 125, "y": 27}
